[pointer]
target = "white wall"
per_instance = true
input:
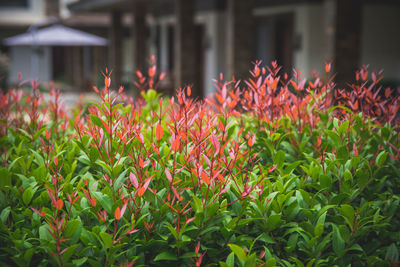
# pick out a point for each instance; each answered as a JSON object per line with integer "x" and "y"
{"x": 215, "y": 46}
{"x": 381, "y": 39}
{"x": 21, "y": 60}
{"x": 23, "y": 16}
{"x": 309, "y": 30}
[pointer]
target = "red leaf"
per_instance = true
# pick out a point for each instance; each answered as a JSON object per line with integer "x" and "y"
{"x": 168, "y": 174}
{"x": 273, "y": 167}
{"x": 107, "y": 81}
{"x": 190, "y": 220}
{"x": 152, "y": 71}
{"x": 221, "y": 125}
{"x": 59, "y": 204}
{"x": 41, "y": 213}
{"x": 156, "y": 149}
{"x": 176, "y": 144}
{"x": 251, "y": 141}
{"x": 134, "y": 180}
{"x": 93, "y": 202}
{"x": 123, "y": 209}
{"x": 141, "y": 163}
{"x": 117, "y": 214}
{"x": 205, "y": 178}
{"x": 178, "y": 197}
{"x": 327, "y": 67}
{"x": 143, "y": 189}
{"x": 159, "y": 131}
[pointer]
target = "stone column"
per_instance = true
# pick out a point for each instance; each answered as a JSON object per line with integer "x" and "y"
{"x": 185, "y": 45}
{"x": 347, "y": 43}
{"x": 240, "y": 38}
{"x": 115, "y": 49}
{"x": 164, "y": 47}
{"x": 77, "y": 70}
{"x": 139, "y": 37}
{"x": 52, "y": 8}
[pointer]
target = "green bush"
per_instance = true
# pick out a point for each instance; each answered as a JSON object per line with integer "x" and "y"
{"x": 269, "y": 172}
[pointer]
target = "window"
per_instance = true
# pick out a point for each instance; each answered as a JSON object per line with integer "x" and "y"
{"x": 14, "y": 3}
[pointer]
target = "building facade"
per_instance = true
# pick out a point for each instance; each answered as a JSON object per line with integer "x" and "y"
{"x": 74, "y": 67}
{"x": 195, "y": 40}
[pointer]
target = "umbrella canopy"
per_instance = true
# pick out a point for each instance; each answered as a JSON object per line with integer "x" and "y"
{"x": 56, "y": 35}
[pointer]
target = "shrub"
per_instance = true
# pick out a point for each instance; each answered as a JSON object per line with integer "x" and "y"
{"x": 270, "y": 171}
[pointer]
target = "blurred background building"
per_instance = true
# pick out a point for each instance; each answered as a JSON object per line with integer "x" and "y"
{"x": 73, "y": 67}
{"x": 195, "y": 40}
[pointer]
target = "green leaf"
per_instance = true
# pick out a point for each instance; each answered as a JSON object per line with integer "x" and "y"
{"x": 318, "y": 230}
{"x": 93, "y": 154}
{"x": 381, "y": 158}
{"x": 343, "y": 127}
{"x": 79, "y": 262}
{"x": 69, "y": 252}
{"x": 39, "y": 159}
{"x": 238, "y": 251}
{"x": 28, "y": 255}
{"x": 337, "y": 240}
{"x": 27, "y": 195}
{"x": 297, "y": 261}
{"x": 196, "y": 204}
{"x": 271, "y": 262}
{"x": 279, "y": 158}
{"x": 105, "y": 201}
{"x": 43, "y": 233}
{"x": 325, "y": 181}
{"x": 172, "y": 230}
{"x": 310, "y": 263}
{"x": 348, "y": 176}
{"x": 4, "y": 214}
{"x": 72, "y": 227}
{"x": 230, "y": 260}
{"x": 334, "y": 137}
{"x": 5, "y": 177}
{"x": 210, "y": 211}
{"x": 107, "y": 239}
{"x": 392, "y": 253}
{"x": 347, "y": 212}
{"x": 342, "y": 154}
{"x": 96, "y": 121}
{"x": 273, "y": 221}
{"x": 166, "y": 255}
{"x": 40, "y": 174}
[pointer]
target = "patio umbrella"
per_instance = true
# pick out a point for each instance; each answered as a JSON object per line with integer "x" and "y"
{"x": 25, "y": 46}
{"x": 56, "y": 35}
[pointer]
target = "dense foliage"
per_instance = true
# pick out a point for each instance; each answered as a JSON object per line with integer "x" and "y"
{"x": 270, "y": 171}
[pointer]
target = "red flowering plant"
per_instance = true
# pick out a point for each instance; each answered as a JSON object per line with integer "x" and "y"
{"x": 273, "y": 170}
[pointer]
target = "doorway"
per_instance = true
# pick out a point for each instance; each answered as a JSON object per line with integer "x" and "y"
{"x": 274, "y": 40}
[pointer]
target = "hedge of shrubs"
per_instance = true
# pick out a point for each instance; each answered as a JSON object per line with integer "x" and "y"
{"x": 271, "y": 171}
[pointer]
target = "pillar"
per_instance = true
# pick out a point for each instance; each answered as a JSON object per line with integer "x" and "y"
{"x": 347, "y": 42}
{"x": 185, "y": 47}
{"x": 139, "y": 37}
{"x": 115, "y": 49}
{"x": 240, "y": 38}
